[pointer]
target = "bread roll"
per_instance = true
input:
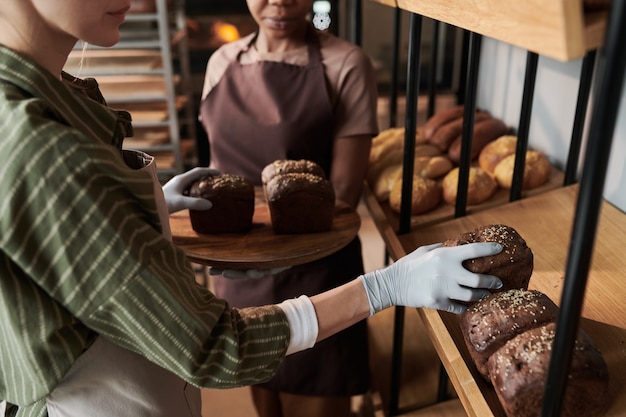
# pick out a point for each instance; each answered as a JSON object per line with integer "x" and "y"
{"x": 443, "y": 137}
{"x": 396, "y": 157}
{"x": 496, "y": 151}
{"x": 390, "y": 140}
{"x": 424, "y": 166}
{"x": 426, "y": 195}
{"x": 537, "y": 170}
{"x": 440, "y": 118}
{"x": 485, "y": 131}
{"x": 481, "y": 186}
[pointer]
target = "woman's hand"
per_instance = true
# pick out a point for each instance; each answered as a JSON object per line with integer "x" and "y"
{"x": 433, "y": 277}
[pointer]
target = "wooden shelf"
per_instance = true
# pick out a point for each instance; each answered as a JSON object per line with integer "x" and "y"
{"x": 545, "y": 222}
{"x": 557, "y": 29}
{"x": 445, "y": 212}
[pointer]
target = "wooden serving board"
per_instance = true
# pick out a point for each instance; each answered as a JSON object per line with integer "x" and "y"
{"x": 261, "y": 248}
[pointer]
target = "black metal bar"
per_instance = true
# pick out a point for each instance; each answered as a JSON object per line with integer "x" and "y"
{"x": 396, "y": 361}
{"x": 442, "y": 390}
{"x": 610, "y": 78}
{"x": 412, "y": 93}
{"x": 530, "y": 77}
{"x": 357, "y": 20}
{"x": 468, "y": 123}
{"x": 584, "y": 89}
{"x": 460, "y": 94}
{"x": 432, "y": 70}
{"x": 395, "y": 64}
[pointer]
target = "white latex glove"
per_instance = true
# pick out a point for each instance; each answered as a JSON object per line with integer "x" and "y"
{"x": 246, "y": 273}
{"x": 432, "y": 277}
{"x": 174, "y": 188}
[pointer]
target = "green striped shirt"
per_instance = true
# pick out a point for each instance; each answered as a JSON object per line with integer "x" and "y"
{"x": 81, "y": 253}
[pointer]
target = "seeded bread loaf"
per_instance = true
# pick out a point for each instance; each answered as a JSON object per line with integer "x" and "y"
{"x": 519, "y": 370}
{"x": 300, "y": 203}
{"x": 232, "y": 197}
{"x": 489, "y": 323}
{"x": 514, "y": 265}
{"x": 286, "y": 166}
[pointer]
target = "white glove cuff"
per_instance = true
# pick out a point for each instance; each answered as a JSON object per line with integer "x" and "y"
{"x": 302, "y": 323}
{"x": 377, "y": 294}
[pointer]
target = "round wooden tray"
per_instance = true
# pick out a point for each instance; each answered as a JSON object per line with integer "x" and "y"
{"x": 261, "y": 248}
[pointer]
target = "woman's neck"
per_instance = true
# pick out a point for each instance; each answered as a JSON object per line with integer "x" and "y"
{"x": 47, "y": 51}
{"x": 265, "y": 44}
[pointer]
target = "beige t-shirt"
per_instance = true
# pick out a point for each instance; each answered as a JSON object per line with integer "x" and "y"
{"x": 351, "y": 82}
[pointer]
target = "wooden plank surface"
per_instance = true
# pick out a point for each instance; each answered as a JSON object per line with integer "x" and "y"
{"x": 261, "y": 248}
{"x": 545, "y": 223}
{"x": 554, "y": 28}
{"x": 445, "y": 212}
{"x": 391, "y": 3}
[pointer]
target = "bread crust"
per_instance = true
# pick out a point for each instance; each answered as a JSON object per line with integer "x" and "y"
{"x": 537, "y": 170}
{"x": 514, "y": 265}
{"x": 496, "y": 151}
{"x": 485, "y": 131}
{"x": 300, "y": 203}
{"x": 425, "y": 195}
{"x": 489, "y": 323}
{"x": 480, "y": 187}
{"x": 232, "y": 199}
{"x": 519, "y": 370}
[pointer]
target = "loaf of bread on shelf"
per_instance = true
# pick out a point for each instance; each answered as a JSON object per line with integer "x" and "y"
{"x": 440, "y": 118}
{"x": 389, "y": 140}
{"x": 489, "y": 323}
{"x": 447, "y": 133}
{"x": 519, "y": 370}
{"x": 425, "y": 166}
{"x": 425, "y": 195}
{"x": 537, "y": 170}
{"x": 480, "y": 186}
{"x": 395, "y": 157}
{"x": 485, "y": 131}
{"x": 496, "y": 151}
{"x": 232, "y": 197}
{"x": 300, "y": 203}
{"x": 513, "y": 265}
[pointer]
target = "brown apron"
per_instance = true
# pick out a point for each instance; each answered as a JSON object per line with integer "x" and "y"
{"x": 258, "y": 113}
{"x": 110, "y": 381}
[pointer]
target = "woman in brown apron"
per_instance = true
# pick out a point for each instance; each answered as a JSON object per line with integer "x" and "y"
{"x": 261, "y": 110}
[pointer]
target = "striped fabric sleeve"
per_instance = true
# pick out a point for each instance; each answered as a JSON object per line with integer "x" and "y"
{"x": 81, "y": 247}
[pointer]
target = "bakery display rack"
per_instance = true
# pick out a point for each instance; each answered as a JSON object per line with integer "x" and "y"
{"x": 575, "y": 234}
{"x": 147, "y": 74}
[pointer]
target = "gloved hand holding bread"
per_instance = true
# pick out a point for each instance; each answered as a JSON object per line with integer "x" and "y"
{"x": 433, "y": 277}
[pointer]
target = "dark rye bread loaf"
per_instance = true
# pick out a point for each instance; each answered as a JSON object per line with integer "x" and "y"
{"x": 489, "y": 323}
{"x": 519, "y": 370}
{"x": 232, "y": 197}
{"x": 286, "y": 166}
{"x": 514, "y": 265}
{"x": 300, "y": 203}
